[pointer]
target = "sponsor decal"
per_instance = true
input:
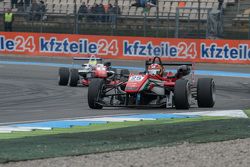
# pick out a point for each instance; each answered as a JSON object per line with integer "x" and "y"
{"x": 82, "y": 46}
{"x": 17, "y": 44}
{"x": 213, "y": 51}
{"x": 133, "y": 48}
{"x": 164, "y": 49}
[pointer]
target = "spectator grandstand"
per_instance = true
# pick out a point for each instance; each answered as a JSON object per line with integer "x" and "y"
{"x": 164, "y": 16}
{"x": 166, "y": 7}
{"x": 243, "y": 12}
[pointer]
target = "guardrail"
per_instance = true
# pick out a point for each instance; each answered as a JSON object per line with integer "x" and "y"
{"x": 142, "y": 25}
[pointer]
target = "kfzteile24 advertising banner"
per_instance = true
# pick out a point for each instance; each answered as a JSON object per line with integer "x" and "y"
{"x": 133, "y": 48}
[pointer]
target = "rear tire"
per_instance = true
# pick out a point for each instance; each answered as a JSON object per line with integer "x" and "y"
{"x": 63, "y": 76}
{"x": 205, "y": 92}
{"x": 182, "y": 94}
{"x": 94, "y": 92}
{"x": 74, "y": 77}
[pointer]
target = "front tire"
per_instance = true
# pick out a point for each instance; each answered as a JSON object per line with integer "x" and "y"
{"x": 205, "y": 92}
{"x": 182, "y": 94}
{"x": 74, "y": 78}
{"x": 94, "y": 93}
{"x": 63, "y": 76}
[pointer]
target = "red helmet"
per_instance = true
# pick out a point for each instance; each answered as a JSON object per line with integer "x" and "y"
{"x": 155, "y": 69}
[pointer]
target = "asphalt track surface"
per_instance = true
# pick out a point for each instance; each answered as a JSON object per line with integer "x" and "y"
{"x": 30, "y": 93}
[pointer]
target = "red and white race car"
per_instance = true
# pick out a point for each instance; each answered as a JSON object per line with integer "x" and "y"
{"x": 82, "y": 75}
{"x": 154, "y": 87}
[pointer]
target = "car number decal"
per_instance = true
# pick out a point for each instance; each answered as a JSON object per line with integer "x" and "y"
{"x": 136, "y": 78}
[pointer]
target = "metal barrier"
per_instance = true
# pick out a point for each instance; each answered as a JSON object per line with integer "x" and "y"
{"x": 178, "y": 25}
{"x": 188, "y": 26}
{"x": 236, "y": 23}
{"x": 143, "y": 25}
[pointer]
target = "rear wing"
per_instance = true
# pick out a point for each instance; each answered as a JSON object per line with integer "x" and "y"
{"x": 91, "y": 60}
{"x": 158, "y": 61}
{"x": 86, "y": 58}
{"x": 171, "y": 63}
{"x": 150, "y": 61}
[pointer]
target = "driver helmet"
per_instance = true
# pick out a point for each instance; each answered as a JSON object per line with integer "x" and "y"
{"x": 155, "y": 69}
{"x": 92, "y": 62}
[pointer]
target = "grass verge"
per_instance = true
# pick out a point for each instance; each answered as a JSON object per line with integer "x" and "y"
{"x": 159, "y": 133}
{"x": 99, "y": 127}
{"x": 247, "y": 112}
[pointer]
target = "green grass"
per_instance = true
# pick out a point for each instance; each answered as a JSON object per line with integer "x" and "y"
{"x": 125, "y": 136}
{"x": 99, "y": 127}
{"x": 247, "y": 112}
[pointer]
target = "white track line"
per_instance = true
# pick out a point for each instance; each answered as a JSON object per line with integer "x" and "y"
{"x": 68, "y": 118}
{"x": 228, "y": 113}
{"x": 109, "y": 119}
